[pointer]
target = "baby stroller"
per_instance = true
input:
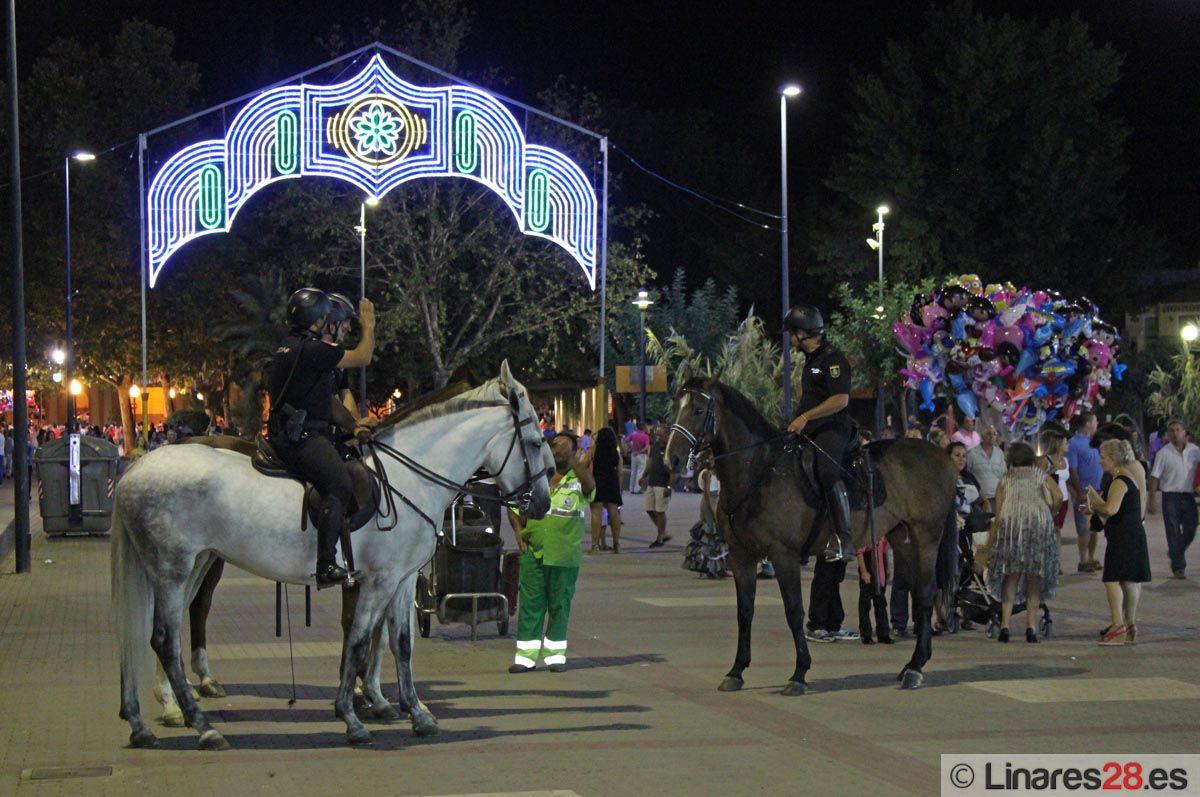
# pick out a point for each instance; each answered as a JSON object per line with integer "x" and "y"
{"x": 976, "y": 601}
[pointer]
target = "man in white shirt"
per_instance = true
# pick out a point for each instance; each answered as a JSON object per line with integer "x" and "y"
{"x": 966, "y": 434}
{"x": 986, "y": 462}
{"x": 1174, "y": 474}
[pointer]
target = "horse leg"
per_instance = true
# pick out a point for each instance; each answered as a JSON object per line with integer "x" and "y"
{"x": 744, "y": 566}
{"x": 172, "y": 714}
{"x": 168, "y": 620}
{"x": 923, "y": 579}
{"x": 380, "y": 709}
{"x": 354, "y": 656}
{"x": 787, "y": 572}
{"x": 198, "y": 622}
{"x": 400, "y": 638}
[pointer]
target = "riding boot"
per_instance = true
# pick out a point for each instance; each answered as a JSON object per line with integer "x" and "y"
{"x": 840, "y": 546}
{"x": 329, "y": 526}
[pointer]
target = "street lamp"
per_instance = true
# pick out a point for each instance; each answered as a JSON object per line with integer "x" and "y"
{"x": 1189, "y": 333}
{"x": 70, "y": 354}
{"x": 876, "y": 243}
{"x": 361, "y": 229}
{"x": 642, "y": 303}
{"x": 785, "y": 93}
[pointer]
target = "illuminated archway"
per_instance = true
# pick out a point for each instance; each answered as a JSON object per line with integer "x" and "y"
{"x": 377, "y": 132}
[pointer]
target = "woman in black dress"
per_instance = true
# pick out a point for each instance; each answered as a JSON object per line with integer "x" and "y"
{"x": 607, "y": 467}
{"x": 1126, "y": 558}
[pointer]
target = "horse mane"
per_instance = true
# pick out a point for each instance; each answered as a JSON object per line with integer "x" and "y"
{"x": 421, "y": 402}
{"x": 490, "y": 394}
{"x": 741, "y": 408}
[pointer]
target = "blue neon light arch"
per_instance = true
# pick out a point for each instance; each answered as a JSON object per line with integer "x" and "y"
{"x": 377, "y": 132}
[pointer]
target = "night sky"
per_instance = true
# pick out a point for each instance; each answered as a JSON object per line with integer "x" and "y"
{"x": 728, "y": 57}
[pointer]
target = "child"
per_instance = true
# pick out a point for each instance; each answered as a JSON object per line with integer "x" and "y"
{"x": 869, "y": 561}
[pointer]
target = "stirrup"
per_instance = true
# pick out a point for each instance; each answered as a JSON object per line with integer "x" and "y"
{"x": 838, "y": 554}
{"x": 336, "y": 575}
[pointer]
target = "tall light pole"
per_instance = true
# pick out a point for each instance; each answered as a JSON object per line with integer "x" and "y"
{"x": 74, "y": 463}
{"x": 361, "y": 229}
{"x": 82, "y": 157}
{"x": 642, "y": 303}
{"x": 785, "y": 93}
{"x": 876, "y": 243}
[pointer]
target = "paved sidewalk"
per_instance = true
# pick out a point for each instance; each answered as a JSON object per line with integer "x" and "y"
{"x": 638, "y": 712}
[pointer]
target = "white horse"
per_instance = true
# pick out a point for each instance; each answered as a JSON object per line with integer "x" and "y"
{"x": 180, "y": 506}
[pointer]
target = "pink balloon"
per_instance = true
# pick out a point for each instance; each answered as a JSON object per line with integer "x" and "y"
{"x": 988, "y": 336}
{"x": 908, "y": 336}
{"x": 1098, "y": 353}
{"x": 1011, "y": 334}
{"x": 934, "y": 316}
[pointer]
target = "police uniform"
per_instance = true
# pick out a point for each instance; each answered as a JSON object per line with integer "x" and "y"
{"x": 827, "y": 373}
{"x": 302, "y": 377}
{"x": 549, "y": 570}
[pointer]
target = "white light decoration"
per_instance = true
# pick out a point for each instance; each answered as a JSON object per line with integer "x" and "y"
{"x": 375, "y": 131}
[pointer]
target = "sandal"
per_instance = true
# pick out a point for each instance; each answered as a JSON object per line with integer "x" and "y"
{"x": 1131, "y": 634}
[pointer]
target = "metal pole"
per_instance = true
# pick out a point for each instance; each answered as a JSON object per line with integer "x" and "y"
{"x": 142, "y": 254}
{"x": 642, "y": 378}
{"x": 20, "y": 408}
{"x": 785, "y": 292}
{"x": 70, "y": 367}
{"x": 362, "y": 292}
{"x": 74, "y": 491}
{"x": 603, "y": 397}
{"x": 881, "y": 260}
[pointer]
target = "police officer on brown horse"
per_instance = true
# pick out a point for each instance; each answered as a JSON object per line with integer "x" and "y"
{"x": 821, "y": 414}
{"x": 302, "y": 381}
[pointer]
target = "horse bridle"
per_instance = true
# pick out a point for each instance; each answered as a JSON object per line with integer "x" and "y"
{"x": 707, "y": 426}
{"x": 519, "y": 498}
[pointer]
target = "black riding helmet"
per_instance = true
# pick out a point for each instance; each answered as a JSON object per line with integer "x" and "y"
{"x": 341, "y": 309}
{"x": 804, "y": 318}
{"x": 307, "y": 306}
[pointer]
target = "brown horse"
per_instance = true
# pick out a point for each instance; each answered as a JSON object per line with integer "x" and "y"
{"x": 763, "y": 511}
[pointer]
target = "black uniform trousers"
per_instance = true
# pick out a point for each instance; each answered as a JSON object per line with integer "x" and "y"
{"x": 825, "y": 610}
{"x": 316, "y": 460}
{"x": 833, "y": 437}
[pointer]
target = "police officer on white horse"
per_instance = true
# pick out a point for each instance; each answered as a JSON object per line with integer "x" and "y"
{"x": 821, "y": 414}
{"x": 302, "y": 380}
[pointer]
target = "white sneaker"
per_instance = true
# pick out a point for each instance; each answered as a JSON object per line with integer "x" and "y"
{"x": 819, "y": 635}
{"x": 845, "y": 634}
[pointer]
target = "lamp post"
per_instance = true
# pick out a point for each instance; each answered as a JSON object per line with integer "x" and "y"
{"x": 74, "y": 464}
{"x": 876, "y": 243}
{"x": 70, "y": 354}
{"x": 1189, "y": 333}
{"x": 361, "y": 229}
{"x": 785, "y": 93}
{"x": 642, "y": 303}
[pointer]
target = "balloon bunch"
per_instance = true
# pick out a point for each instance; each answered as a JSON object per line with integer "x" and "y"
{"x": 1033, "y": 356}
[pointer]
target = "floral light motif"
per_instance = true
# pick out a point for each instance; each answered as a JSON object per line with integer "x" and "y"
{"x": 376, "y": 129}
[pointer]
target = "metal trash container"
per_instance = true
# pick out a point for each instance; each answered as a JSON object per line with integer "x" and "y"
{"x": 82, "y": 504}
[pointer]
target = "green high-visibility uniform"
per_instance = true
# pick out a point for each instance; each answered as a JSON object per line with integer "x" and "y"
{"x": 549, "y": 570}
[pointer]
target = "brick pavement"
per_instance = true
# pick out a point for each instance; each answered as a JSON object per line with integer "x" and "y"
{"x": 638, "y": 713}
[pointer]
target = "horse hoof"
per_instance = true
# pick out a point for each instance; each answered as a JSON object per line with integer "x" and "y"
{"x": 900, "y": 677}
{"x": 912, "y": 679}
{"x": 214, "y": 741}
{"x": 143, "y": 738}
{"x": 172, "y": 717}
{"x": 425, "y": 726}
{"x": 795, "y": 688}
{"x": 210, "y": 688}
{"x": 359, "y": 737}
{"x": 730, "y": 684}
{"x": 384, "y": 712}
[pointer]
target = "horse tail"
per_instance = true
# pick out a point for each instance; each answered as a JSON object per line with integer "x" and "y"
{"x": 133, "y": 599}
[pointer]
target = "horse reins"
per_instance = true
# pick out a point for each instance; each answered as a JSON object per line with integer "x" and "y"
{"x": 519, "y": 498}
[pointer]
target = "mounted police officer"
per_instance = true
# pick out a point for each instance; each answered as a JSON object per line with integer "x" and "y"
{"x": 302, "y": 381}
{"x": 821, "y": 414}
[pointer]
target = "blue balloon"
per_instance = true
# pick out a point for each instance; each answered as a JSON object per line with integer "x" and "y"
{"x": 966, "y": 403}
{"x": 1041, "y": 391}
{"x": 1075, "y": 327}
{"x": 1028, "y": 358}
{"x": 926, "y": 388}
{"x": 1118, "y": 371}
{"x": 956, "y": 382}
{"x": 1043, "y": 334}
{"x": 958, "y": 327}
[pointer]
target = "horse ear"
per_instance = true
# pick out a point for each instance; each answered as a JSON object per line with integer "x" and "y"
{"x": 506, "y": 377}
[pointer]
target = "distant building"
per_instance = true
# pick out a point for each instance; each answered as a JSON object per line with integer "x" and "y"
{"x": 1179, "y": 305}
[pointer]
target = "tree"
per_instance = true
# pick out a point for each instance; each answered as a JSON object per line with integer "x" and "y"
{"x": 1175, "y": 390}
{"x": 991, "y": 139}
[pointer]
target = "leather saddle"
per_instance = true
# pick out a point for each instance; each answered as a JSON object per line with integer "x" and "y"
{"x": 363, "y": 506}
{"x": 861, "y": 471}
